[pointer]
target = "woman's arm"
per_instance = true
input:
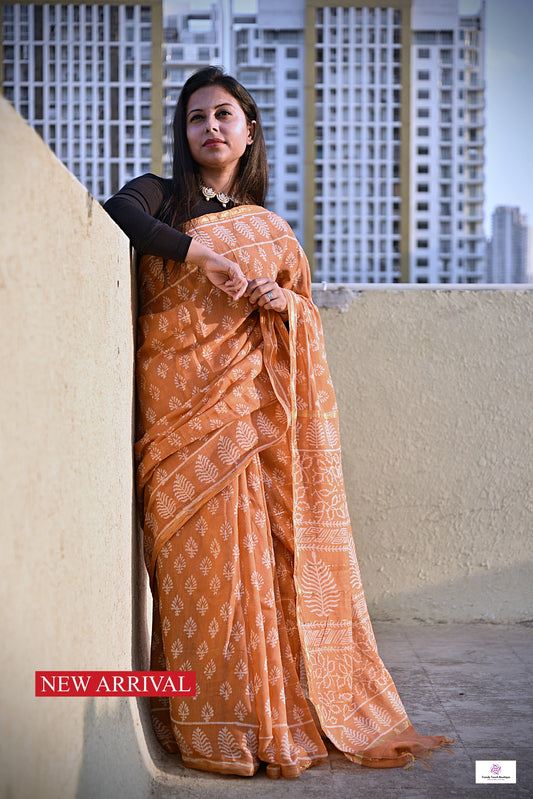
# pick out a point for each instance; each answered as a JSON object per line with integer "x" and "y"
{"x": 134, "y": 209}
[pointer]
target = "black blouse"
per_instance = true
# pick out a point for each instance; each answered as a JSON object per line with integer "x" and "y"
{"x": 135, "y": 208}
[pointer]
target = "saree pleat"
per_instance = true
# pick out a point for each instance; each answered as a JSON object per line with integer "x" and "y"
{"x": 246, "y": 527}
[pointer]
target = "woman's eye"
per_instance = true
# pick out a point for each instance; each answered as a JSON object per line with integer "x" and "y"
{"x": 223, "y": 112}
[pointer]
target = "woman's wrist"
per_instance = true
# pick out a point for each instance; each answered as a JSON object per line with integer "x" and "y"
{"x": 197, "y": 253}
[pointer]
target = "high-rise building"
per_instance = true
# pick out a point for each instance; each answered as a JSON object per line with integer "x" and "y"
{"x": 374, "y": 119}
{"x": 192, "y": 40}
{"x": 270, "y": 62}
{"x": 357, "y": 172}
{"x": 373, "y": 115}
{"x": 447, "y": 144}
{"x": 268, "y": 56}
{"x": 509, "y": 248}
{"x": 396, "y": 154}
{"x": 87, "y": 77}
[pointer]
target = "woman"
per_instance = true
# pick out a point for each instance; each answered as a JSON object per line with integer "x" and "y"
{"x": 247, "y": 535}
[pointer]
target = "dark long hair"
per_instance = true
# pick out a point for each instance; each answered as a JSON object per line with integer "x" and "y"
{"x": 252, "y": 179}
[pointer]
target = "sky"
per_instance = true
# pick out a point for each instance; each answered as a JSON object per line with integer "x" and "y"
{"x": 509, "y": 98}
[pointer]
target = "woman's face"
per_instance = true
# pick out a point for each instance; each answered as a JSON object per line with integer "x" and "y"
{"x": 217, "y": 130}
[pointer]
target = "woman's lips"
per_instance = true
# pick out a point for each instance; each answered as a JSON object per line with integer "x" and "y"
{"x": 213, "y": 142}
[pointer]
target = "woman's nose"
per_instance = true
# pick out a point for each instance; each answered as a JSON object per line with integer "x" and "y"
{"x": 211, "y": 124}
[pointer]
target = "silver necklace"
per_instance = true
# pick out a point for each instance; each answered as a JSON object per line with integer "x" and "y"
{"x": 209, "y": 193}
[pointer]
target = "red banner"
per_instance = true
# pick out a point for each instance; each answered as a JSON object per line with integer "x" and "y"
{"x": 115, "y": 683}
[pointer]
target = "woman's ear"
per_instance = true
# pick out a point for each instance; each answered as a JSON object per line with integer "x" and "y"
{"x": 251, "y": 132}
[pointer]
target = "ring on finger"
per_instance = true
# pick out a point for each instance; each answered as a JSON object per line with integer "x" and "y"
{"x": 269, "y": 296}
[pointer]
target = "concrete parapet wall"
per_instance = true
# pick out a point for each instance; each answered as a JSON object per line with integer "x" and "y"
{"x": 65, "y": 478}
{"x": 435, "y": 389}
{"x": 435, "y": 395}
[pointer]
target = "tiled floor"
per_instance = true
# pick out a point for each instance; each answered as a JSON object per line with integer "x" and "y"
{"x": 471, "y": 682}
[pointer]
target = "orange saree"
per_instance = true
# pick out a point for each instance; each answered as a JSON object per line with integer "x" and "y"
{"x": 246, "y": 528}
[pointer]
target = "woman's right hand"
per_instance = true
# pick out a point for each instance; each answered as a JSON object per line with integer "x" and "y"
{"x": 226, "y": 275}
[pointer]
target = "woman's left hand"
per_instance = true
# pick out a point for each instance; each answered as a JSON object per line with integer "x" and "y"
{"x": 267, "y": 294}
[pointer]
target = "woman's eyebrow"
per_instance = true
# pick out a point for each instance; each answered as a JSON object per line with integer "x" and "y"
{"x": 194, "y": 110}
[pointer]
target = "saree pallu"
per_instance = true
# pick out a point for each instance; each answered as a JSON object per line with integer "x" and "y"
{"x": 246, "y": 528}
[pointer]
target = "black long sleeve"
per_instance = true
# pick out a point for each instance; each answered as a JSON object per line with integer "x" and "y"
{"x": 135, "y": 208}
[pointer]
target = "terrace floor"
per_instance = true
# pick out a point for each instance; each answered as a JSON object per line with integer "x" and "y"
{"x": 471, "y": 682}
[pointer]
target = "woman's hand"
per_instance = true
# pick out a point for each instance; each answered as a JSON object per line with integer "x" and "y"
{"x": 266, "y": 293}
{"x": 226, "y": 275}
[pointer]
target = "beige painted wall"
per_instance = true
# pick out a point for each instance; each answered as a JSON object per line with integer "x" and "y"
{"x": 435, "y": 395}
{"x": 65, "y": 476}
